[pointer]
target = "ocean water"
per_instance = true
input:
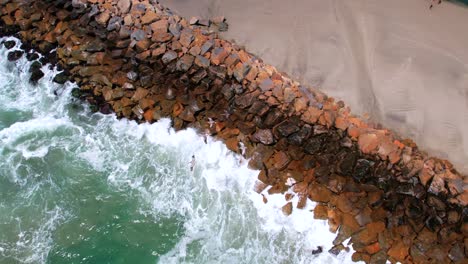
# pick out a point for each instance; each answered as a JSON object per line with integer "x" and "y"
{"x": 78, "y": 187}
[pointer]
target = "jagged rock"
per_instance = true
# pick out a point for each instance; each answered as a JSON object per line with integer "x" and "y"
{"x": 287, "y": 209}
{"x": 286, "y": 128}
{"x": 186, "y": 37}
{"x": 36, "y": 75}
{"x": 202, "y": 61}
{"x": 61, "y": 78}
{"x": 218, "y": 55}
{"x": 206, "y": 47}
{"x": 9, "y": 44}
{"x": 15, "y": 55}
{"x": 184, "y": 63}
{"x": 114, "y": 23}
{"x": 124, "y": 6}
{"x": 264, "y": 136}
{"x": 169, "y": 56}
{"x": 32, "y": 56}
{"x": 149, "y": 17}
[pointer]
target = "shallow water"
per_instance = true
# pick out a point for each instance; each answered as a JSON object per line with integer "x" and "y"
{"x": 77, "y": 187}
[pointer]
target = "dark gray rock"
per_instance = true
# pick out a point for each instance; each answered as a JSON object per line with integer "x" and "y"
{"x": 15, "y": 55}
{"x": 169, "y": 56}
{"x": 9, "y": 44}
{"x": 61, "y": 78}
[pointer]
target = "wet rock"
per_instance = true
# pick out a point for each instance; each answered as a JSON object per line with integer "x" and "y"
{"x": 32, "y": 56}
{"x": 287, "y": 209}
{"x": 317, "y": 251}
{"x": 36, "y": 72}
{"x": 264, "y": 136}
{"x": 76, "y": 92}
{"x": 169, "y": 56}
{"x": 61, "y": 78}
{"x": 9, "y": 44}
{"x": 15, "y": 55}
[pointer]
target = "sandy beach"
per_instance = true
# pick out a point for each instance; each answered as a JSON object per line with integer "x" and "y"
{"x": 403, "y": 64}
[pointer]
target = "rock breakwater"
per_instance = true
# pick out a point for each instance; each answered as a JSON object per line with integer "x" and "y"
{"x": 143, "y": 62}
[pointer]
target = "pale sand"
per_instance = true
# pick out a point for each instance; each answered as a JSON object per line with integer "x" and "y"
{"x": 403, "y": 64}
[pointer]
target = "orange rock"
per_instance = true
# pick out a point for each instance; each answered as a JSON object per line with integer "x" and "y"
{"x": 341, "y": 123}
{"x": 260, "y": 186}
{"x": 287, "y": 209}
{"x": 228, "y": 133}
{"x": 319, "y": 193}
{"x": 399, "y": 251}
{"x": 281, "y": 160}
{"x": 370, "y": 233}
{"x": 149, "y": 17}
{"x": 320, "y": 212}
{"x": 354, "y": 132}
{"x": 177, "y": 110}
{"x": 334, "y": 219}
{"x": 232, "y": 144}
{"x": 311, "y": 115}
{"x": 301, "y": 204}
{"x": 140, "y": 93}
{"x": 148, "y": 115}
{"x": 288, "y": 196}
{"x": 350, "y": 221}
{"x": 368, "y": 143}
{"x": 372, "y": 248}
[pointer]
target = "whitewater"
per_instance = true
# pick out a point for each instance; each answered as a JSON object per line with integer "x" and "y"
{"x": 83, "y": 187}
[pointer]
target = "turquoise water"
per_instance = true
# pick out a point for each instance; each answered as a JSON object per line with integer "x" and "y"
{"x": 77, "y": 187}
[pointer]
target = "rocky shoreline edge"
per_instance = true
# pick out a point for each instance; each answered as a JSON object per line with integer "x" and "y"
{"x": 143, "y": 62}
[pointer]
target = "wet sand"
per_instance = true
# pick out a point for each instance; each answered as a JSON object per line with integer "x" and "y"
{"x": 404, "y": 65}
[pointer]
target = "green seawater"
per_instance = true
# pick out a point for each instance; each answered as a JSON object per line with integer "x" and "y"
{"x": 78, "y": 187}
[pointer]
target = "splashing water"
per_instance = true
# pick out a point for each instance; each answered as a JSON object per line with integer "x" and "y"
{"x": 77, "y": 187}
